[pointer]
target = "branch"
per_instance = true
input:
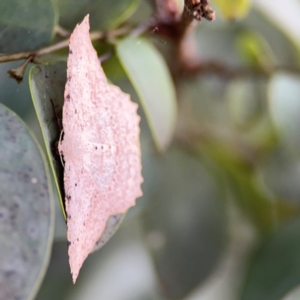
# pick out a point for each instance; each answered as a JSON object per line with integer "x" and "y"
{"x": 175, "y": 24}
{"x": 18, "y": 72}
{"x": 97, "y": 35}
{"x": 220, "y": 69}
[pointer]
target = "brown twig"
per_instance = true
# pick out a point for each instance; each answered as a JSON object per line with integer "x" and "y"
{"x": 220, "y": 69}
{"x": 60, "y": 31}
{"x": 97, "y": 35}
{"x": 18, "y": 72}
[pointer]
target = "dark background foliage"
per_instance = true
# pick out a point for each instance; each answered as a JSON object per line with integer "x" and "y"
{"x": 220, "y": 107}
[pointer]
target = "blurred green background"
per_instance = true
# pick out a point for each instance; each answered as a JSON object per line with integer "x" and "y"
{"x": 219, "y": 218}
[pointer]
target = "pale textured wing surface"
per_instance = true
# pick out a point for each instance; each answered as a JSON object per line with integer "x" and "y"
{"x": 100, "y": 148}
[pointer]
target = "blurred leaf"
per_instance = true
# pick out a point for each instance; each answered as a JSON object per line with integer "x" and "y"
{"x": 111, "y": 228}
{"x": 282, "y": 46}
{"x": 243, "y": 102}
{"x": 47, "y": 84}
{"x": 265, "y": 210}
{"x": 233, "y": 9}
{"x": 104, "y": 14}
{"x": 218, "y": 40}
{"x": 150, "y": 76}
{"x": 144, "y": 12}
{"x": 26, "y": 24}
{"x": 293, "y": 295}
{"x": 26, "y": 210}
{"x": 280, "y": 174}
{"x": 284, "y": 105}
{"x": 287, "y": 19}
{"x": 57, "y": 281}
{"x": 255, "y": 50}
{"x": 113, "y": 70}
{"x": 185, "y": 223}
{"x": 275, "y": 268}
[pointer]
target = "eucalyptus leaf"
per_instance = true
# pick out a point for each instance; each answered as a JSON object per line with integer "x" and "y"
{"x": 47, "y": 83}
{"x": 275, "y": 267}
{"x": 280, "y": 43}
{"x": 152, "y": 81}
{"x": 287, "y": 20}
{"x": 293, "y": 295}
{"x": 244, "y": 103}
{"x": 104, "y": 14}
{"x": 26, "y": 210}
{"x": 255, "y": 50}
{"x": 263, "y": 208}
{"x": 280, "y": 174}
{"x": 233, "y": 9}
{"x": 218, "y": 40}
{"x": 284, "y": 106}
{"x": 13, "y": 95}
{"x": 185, "y": 223}
{"x": 26, "y": 24}
{"x": 57, "y": 281}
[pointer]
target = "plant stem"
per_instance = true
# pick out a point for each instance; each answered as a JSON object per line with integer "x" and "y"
{"x": 12, "y": 57}
{"x": 97, "y": 35}
{"x": 227, "y": 71}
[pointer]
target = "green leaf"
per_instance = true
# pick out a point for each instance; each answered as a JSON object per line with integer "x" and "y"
{"x": 151, "y": 79}
{"x": 13, "y": 95}
{"x": 284, "y": 106}
{"x": 218, "y": 40}
{"x": 287, "y": 20}
{"x": 104, "y": 14}
{"x": 280, "y": 174}
{"x": 57, "y": 281}
{"x": 26, "y": 210}
{"x": 255, "y": 50}
{"x": 26, "y": 24}
{"x": 233, "y": 9}
{"x": 111, "y": 228}
{"x": 185, "y": 223}
{"x": 293, "y": 295}
{"x": 275, "y": 268}
{"x": 264, "y": 209}
{"x": 244, "y": 103}
{"x": 47, "y": 84}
